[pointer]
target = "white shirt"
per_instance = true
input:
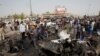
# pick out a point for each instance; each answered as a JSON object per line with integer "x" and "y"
{"x": 98, "y": 32}
{"x": 22, "y": 28}
{"x": 92, "y": 24}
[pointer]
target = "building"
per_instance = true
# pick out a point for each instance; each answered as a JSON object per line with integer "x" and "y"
{"x": 58, "y": 12}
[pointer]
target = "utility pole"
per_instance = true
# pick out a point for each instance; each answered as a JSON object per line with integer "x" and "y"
{"x": 30, "y": 10}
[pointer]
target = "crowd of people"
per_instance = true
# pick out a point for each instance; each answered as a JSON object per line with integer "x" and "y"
{"x": 79, "y": 28}
{"x": 82, "y": 27}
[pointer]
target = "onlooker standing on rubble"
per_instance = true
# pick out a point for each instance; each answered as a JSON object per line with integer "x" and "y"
{"x": 9, "y": 25}
{"x": 2, "y": 31}
{"x": 40, "y": 31}
{"x": 16, "y": 23}
{"x": 82, "y": 33}
{"x": 22, "y": 29}
{"x": 98, "y": 27}
{"x": 92, "y": 26}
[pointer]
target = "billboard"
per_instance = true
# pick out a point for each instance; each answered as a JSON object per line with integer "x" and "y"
{"x": 60, "y": 10}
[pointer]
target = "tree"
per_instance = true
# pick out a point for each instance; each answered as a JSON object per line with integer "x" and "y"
{"x": 22, "y": 16}
{"x": 15, "y": 16}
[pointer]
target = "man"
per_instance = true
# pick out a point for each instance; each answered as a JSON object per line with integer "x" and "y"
{"x": 22, "y": 29}
{"x": 92, "y": 26}
{"x": 2, "y": 31}
{"x": 98, "y": 27}
{"x": 16, "y": 23}
{"x": 40, "y": 32}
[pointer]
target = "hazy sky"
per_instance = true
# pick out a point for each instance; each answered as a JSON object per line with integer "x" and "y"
{"x": 79, "y": 7}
